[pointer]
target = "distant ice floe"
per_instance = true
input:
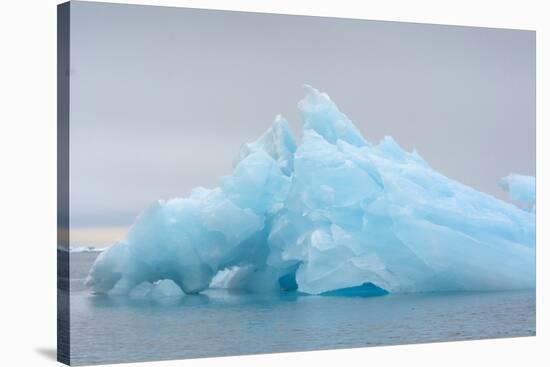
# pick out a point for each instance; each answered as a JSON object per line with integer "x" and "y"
{"x": 332, "y": 215}
{"x": 521, "y": 188}
{"x": 85, "y": 249}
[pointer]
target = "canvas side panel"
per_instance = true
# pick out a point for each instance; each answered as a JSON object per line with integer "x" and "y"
{"x": 63, "y": 95}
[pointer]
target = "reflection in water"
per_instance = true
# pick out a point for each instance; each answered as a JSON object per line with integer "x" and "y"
{"x": 104, "y": 300}
{"x": 115, "y": 329}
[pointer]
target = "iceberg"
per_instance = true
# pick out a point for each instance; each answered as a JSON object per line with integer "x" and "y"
{"x": 333, "y": 215}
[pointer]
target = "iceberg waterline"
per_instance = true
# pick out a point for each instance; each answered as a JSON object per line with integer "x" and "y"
{"x": 330, "y": 214}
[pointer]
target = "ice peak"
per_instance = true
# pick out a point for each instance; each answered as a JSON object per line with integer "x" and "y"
{"x": 321, "y": 114}
{"x": 314, "y": 96}
{"x": 277, "y": 141}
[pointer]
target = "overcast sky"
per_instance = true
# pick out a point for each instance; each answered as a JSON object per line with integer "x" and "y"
{"x": 162, "y": 98}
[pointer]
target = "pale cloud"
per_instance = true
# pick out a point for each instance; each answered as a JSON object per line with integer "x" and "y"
{"x": 96, "y": 236}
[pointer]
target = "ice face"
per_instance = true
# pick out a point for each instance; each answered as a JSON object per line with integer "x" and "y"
{"x": 335, "y": 215}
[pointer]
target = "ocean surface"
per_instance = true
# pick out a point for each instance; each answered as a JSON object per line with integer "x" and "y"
{"x": 219, "y": 323}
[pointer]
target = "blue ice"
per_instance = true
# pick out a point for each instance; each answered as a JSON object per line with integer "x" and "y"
{"x": 331, "y": 214}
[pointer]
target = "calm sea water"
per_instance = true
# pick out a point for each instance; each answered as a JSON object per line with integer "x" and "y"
{"x": 219, "y": 323}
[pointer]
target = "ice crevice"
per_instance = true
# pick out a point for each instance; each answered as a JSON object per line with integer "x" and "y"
{"x": 333, "y": 215}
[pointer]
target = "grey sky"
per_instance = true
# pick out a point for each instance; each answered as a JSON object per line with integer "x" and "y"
{"x": 162, "y": 98}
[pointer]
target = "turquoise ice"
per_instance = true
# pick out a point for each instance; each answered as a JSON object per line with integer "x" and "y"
{"x": 332, "y": 214}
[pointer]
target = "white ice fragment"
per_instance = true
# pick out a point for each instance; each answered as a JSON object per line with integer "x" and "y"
{"x": 165, "y": 288}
